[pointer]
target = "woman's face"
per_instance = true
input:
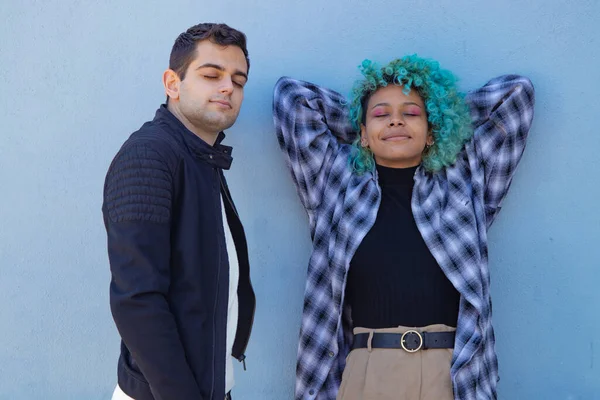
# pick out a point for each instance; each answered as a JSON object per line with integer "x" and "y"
{"x": 395, "y": 127}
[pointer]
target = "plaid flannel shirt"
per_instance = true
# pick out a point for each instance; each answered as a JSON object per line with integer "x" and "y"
{"x": 453, "y": 209}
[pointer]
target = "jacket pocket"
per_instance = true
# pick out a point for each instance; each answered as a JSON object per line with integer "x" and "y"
{"x": 130, "y": 366}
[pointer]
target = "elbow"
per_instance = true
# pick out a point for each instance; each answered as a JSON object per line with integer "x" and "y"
{"x": 133, "y": 307}
{"x": 120, "y": 303}
{"x": 528, "y": 99}
{"x": 283, "y": 82}
{"x": 283, "y": 88}
{"x": 523, "y": 92}
{"x": 526, "y": 87}
{"x": 125, "y": 305}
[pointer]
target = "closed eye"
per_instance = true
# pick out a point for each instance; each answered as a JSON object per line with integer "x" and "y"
{"x": 210, "y": 77}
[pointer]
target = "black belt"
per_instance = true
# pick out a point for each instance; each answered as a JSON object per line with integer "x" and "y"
{"x": 410, "y": 340}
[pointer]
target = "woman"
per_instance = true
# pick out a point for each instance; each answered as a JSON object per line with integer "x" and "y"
{"x": 400, "y": 186}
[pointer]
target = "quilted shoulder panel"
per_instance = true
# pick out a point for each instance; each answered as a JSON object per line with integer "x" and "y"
{"x": 139, "y": 185}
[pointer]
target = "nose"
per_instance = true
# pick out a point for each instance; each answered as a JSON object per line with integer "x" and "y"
{"x": 396, "y": 120}
{"x": 227, "y": 86}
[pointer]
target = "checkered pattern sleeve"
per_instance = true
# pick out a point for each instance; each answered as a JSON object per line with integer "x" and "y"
{"x": 502, "y": 112}
{"x": 311, "y": 123}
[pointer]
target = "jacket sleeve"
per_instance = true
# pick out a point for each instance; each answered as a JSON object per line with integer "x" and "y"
{"x": 502, "y": 112}
{"x": 310, "y": 122}
{"x": 137, "y": 214}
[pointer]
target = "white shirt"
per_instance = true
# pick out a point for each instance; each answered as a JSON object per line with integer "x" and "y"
{"x": 232, "y": 308}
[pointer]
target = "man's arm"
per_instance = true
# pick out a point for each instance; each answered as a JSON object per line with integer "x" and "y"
{"x": 137, "y": 214}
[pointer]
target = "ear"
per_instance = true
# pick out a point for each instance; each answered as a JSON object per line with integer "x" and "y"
{"x": 171, "y": 83}
{"x": 430, "y": 138}
{"x": 364, "y": 142}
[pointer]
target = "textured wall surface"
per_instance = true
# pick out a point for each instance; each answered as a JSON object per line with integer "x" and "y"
{"x": 78, "y": 77}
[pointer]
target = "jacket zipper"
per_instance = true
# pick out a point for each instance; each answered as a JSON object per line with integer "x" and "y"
{"x": 241, "y": 358}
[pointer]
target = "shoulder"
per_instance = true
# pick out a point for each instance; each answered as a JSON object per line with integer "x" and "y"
{"x": 151, "y": 143}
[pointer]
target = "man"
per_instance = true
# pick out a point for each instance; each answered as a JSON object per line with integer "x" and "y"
{"x": 180, "y": 292}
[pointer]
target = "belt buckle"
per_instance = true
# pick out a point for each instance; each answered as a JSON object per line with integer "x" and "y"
{"x": 403, "y": 341}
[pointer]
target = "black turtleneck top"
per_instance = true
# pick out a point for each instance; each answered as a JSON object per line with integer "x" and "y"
{"x": 393, "y": 278}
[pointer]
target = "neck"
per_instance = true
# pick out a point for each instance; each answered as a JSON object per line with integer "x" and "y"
{"x": 209, "y": 137}
{"x": 395, "y": 176}
{"x": 408, "y": 163}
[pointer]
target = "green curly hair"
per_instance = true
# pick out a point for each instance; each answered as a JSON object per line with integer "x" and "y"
{"x": 447, "y": 113}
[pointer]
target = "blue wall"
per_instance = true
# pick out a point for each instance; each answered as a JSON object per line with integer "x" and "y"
{"x": 78, "y": 77}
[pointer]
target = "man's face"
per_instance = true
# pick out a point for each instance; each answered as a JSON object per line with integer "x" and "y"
{"x": 211, "y": 94}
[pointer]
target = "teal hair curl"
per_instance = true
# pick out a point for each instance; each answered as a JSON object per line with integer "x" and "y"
{"x": 447, "y": 112}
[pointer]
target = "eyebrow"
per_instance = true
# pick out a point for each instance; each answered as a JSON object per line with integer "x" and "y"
{"x": 388, "y": 104}
{"x": 221, "y": 68}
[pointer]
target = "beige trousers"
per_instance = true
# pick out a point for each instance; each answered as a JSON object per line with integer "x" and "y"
{"x": 394, "y": 374}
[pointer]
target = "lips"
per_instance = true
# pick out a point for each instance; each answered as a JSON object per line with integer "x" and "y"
{"x": 396, "y": 136}
{"x": 224, "y": 103}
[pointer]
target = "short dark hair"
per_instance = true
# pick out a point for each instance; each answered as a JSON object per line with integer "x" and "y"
{"x": 184, "y": 48}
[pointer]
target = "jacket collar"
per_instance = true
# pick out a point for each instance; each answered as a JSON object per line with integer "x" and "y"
{"x": 218, "y": 155}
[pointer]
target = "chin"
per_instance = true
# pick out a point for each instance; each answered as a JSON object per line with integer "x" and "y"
{"x": 221, "y": 123}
